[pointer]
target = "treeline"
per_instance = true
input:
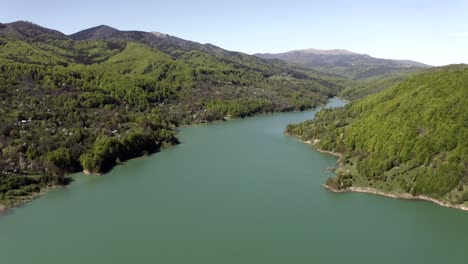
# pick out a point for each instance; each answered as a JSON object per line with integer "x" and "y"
{"x": 410, "y": 138}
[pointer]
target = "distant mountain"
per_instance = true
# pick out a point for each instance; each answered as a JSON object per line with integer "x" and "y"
{"x": 343, "y": 62}
{"x": 323, "y": 52}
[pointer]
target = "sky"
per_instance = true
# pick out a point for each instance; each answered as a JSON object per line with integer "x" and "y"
{"x": 432, "y": 32}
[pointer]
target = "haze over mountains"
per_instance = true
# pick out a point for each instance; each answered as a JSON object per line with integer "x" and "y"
{"x": 344, "y": 62}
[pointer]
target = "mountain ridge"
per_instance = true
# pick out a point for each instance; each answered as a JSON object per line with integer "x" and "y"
{"x": 24, "y": 29}
{"x": 335, "y": 52}
{"x": 154, "y": 39}
{"x": 318, "y": 51}
{"x": 343, "y": 62}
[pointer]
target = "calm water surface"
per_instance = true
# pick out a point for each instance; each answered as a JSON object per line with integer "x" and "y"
{"x": 234, "y": 192}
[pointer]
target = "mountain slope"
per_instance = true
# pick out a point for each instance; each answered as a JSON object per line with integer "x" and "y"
{"x": 372, "y": 85}
{"x": 163, "y": 42}
{"x": 411, "y": 138}
{"x": 68, "y": 105}
{"x": 24, "y": 29}
{"x": 177, "y": 47}
{"x": 343, "y": 62}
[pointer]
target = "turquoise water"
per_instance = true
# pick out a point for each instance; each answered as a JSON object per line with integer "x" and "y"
{"x": 233, "y": 192}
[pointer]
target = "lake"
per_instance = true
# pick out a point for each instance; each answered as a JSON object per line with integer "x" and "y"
{"x": 232, "y": 192}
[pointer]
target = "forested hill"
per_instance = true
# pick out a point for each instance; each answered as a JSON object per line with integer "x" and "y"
{"x": 68, "y": 105}
{"x": 411, "y": 138}
{"x": 177, "y": 47}
{"x": 160, "y": 41}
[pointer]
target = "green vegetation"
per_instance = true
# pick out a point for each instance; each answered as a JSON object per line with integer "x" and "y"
{"x": 372, "y": 85}
{"x": 410, "y": 138}
{"x": 69, "y": 105}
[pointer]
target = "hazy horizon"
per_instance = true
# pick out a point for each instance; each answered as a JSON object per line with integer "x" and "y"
{"x": 425, "y": 31}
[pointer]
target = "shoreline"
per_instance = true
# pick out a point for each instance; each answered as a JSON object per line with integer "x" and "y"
{"x": 87, "y": 172}
{"x": 313, "y": 143}
{"x": 342, "y": 99}
{"x": 403, "y": 196}
{"x": 27, "y": 199}
{"x": 224, "y": 119}
{"x": 370, "y": 190}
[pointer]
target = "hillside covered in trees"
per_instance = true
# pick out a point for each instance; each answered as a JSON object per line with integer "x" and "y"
{"x": 94, "y": 99}
{"x": 372, "y": 85}
{"x": 411, "y": 138}
{"x": 369, "y": 75}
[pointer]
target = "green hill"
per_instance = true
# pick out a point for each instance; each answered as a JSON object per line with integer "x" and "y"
{"x": 411, "y": 138}
{"x": 68, "y": 105}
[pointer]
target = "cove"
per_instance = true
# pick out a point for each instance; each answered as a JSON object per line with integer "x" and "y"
{"x": 232, "y": 192}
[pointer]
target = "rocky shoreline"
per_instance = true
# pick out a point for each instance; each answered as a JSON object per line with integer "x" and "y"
{"x": 405, "y": 196}
{"x": 87, "y": 172}
{"x": 313, "y": 143}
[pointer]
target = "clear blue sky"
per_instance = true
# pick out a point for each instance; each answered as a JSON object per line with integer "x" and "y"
{"x": 433, "y": 32}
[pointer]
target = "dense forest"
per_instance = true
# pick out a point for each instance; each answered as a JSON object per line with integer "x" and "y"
{"x": 410, "y": 138}
{"x": 68, "y": 105}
